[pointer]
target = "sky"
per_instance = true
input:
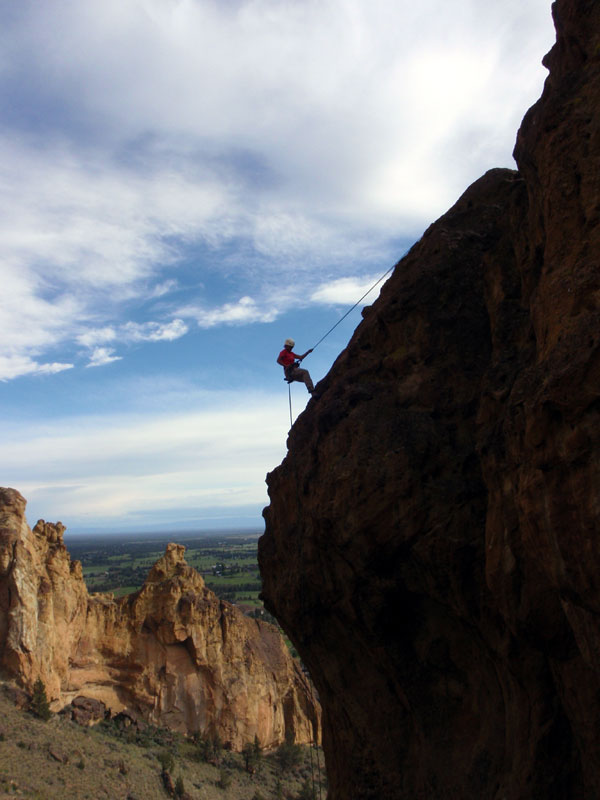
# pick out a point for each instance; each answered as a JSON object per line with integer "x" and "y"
{"x": 186, "y": 183}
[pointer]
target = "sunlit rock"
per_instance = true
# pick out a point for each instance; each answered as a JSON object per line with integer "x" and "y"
{"x": 173, "y": 653}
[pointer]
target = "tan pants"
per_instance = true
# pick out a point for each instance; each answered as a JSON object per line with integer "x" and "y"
{"x": 301, "y": 375}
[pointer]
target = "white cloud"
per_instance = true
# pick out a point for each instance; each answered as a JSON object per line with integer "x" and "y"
{"x": 97, "y": 336}
{"x": 78, "y": 242}
{"x": 243, "y": 312}
{"x": 129, "y": 332}
{"x": 90, "y": 223}
{"x": 240, "y": 128}
{"x": 345, "y": 291}
{"x": 30, "y": 322}
{"x": 104, "y": 469}
{"x": 101, "y": 356}
{"x": 405, "y": 85}
{"x": 154, "y": 331}
{"x": 17, "y": 366}
{"x": 163, "y": 288}
{"x": 256, "y": 155}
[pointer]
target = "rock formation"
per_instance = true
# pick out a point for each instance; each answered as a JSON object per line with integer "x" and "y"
{"x": 172, "y": 653}
{"x": 432, "y": 539}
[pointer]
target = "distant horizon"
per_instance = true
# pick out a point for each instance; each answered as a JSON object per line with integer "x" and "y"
{"x": 153, "y": 522}
{"x": 163, "y": 533}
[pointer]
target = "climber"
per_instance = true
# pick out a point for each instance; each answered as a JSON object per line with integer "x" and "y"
{"x": 290, "y": 363}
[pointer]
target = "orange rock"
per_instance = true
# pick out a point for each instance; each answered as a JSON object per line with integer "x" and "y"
{"x": 172, "y": 652}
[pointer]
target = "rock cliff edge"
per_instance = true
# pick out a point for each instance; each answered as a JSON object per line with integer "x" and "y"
{"x": 432, "y": 542}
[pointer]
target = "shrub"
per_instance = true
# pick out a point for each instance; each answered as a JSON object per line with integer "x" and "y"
{"x": 289, "y": 754}
{"x": 217, "y": 746}
{"x": 166, "y": 760}
{"x": 208, "y": 748}
{"x": 202, "y": 748}
{"x": 179, "y": 787}
{"x": 224, "y": 779}
{"x": 205, "y": 749}
{"x": 257, "y": 749}
{"x": 39, "y": 701}
{"x": 251, "y": 755}
{"x": 306, "y": 792}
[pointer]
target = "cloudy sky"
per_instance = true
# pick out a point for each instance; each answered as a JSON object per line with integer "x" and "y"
{"x": 184, "y": 184}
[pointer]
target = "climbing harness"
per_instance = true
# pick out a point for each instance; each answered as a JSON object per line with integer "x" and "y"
{"x": 288, "y": 371}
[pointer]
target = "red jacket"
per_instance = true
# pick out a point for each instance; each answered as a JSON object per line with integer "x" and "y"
{"x": 286, "y": 358}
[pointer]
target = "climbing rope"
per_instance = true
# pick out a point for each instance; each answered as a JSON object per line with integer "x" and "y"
{"x": 350, "y": 310}
{"x": 301, "y": 526}
{"x": 333, "y": 327}
{"x": 300, "y": 538}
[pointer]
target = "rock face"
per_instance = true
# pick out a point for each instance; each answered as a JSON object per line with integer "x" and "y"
{"x": 172, "y": 653}
{"x": 432, "y": 542}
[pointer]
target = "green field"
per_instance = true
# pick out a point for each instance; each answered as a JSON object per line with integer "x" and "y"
{"x": 228, "y": 563}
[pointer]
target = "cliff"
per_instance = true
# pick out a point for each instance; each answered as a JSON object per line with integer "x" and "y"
{"x": 172, "y": 653}
{"x": 431, "y": 541}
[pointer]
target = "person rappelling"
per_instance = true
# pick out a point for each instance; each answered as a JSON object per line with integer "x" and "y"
{"x": 291, "y": 365}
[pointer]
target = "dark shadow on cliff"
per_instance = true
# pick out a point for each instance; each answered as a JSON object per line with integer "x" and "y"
{"x": 430, "y": 545}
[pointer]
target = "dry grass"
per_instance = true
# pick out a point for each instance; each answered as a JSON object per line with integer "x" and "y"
{"x": 94, "y": 765}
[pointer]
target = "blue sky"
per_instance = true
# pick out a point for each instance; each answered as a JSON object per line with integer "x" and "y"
{"x": 184, "y": 184}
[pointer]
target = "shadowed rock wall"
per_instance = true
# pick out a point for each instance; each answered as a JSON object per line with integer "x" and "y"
{"x": 172, "y": 653}
{"x": 432, "y": 542}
